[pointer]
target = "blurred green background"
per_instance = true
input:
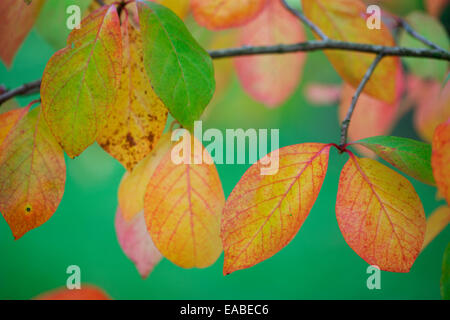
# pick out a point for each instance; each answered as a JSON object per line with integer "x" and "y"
{"x": 317, "y": 264}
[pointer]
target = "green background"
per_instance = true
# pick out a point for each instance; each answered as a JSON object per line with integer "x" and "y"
{"x": 317, "y": 264}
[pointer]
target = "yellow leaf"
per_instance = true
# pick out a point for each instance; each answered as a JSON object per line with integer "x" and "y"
{"x": 436, "y": 222}
{"x": 345, "y": 20}
{"x": 380, "y": 215}
{"x": 183, "y": 209}
{"x": 265, "y": 212}
{"x": 137, "y": 117}
{"x": 133, "y": 186}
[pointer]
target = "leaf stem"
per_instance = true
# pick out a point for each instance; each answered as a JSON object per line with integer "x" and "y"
{"x": 346, "y": 123}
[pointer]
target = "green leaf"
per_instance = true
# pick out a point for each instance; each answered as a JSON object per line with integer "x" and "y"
{"x": 431, "y": 29}
{"x": 445, "y": 278}
{"x": 410, "y": 156}
{"x": 180, "y": 70}
{"x": 51, "y": 24}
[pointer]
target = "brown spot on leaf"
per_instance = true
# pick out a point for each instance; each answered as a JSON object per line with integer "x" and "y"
{"x": 130, "y": 140}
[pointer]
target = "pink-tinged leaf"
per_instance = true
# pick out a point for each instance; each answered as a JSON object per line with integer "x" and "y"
{"x": 136, "y": 243}
{"x": 440, "y": 159}
{"x": 380, "y": 215}
{"x": 435, "y": 7}
{"x": 264, "y": 212}
{"x": 432, "y": 107}
{"x": 371, "y": 117}
{"x": 17, "y": 20}
{"x": 80, "y": 82}
{"x": 271, "y": 79}
{"x": 436, "y": 222}
{"x": 32, "y": 174}
{"x": 323, "y": 94}
{"x": 222, "y": 14}
{"x": 183, "y": 207}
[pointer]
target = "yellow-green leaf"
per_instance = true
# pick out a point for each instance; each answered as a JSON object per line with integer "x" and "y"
{"x": 80, "y": 81}
{"x": 32, "y": 174}
{"x": 137, "y": 117}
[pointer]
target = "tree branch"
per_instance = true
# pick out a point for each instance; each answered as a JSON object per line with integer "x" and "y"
{"x": 313, "y": 45}
{"x": 405, "y": 25}
{"x": 100, "y": 2}
{"x": 305, "y": 20}
{"x": 348, "y": 117}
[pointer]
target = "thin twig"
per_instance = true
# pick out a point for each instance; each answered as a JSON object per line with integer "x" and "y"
{"x": 25, "y": 89}
{"x": 306, "y": 21}
{"x": 405, "y": 25}
{"x": 348, "y": 117}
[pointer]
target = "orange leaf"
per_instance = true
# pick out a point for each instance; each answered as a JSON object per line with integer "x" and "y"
{"x": 9, "y": 120}
{"x": 345, "y": 20}
{"x": 440, "y": 159}
{"x": 137, "y": 117}
{"x": 380, "y": 215}
{"x": 80, "y": 81}
{"x": 435, "y": 7}
{"x": 436, "y": 222}
{"x": 271, "y": 79}
{"x": 134, "y": 185}
{"x": 265, "y": 212}
{"x": 220, "y": 14}
{"x": 32, "y": 174}
{"x": 433, "y": 105}
{"x": 136, "y": 243}
{"x": 87, "y": 292}
{"x": 17, "y": 20}
{"x": 183, "y": 207}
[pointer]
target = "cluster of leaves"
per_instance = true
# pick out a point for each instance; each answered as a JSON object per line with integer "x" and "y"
{"x": 130, "y": 64}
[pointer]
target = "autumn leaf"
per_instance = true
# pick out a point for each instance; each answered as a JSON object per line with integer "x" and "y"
{"x": 380, "y": 215}
{"x": 80, "y": 81}
{"x": 440, "y": 159}
{"x": 53, "y": 17}
{"x": 136, "y": 243}
{"x": 345, "y": 20}
{"x": 8, "y": 121}
{"x": 183, "y": 208}
{"x": 319, "y": 94}
{"x": 271, "y": 79}
{"x": 430, "y": 28}
{"x": 17, "y": 20}
{"x": 410, "y": 156}
{"x": 264, "y": 212}
{"x": 87, "y": 292}
{"x": 433, "y": 105}
{"x": 134, "y": 185}
{"x": 180, "y": 71}
{"x": 445, "y": 278}
{"x": 371, "y": 116}
{"x": 434, "y": 7}
{"x": 219, "y": 14}
{"x": 137, "y": 117}
{"x": 436, "y": 222}
{"x": 32, "y": 174}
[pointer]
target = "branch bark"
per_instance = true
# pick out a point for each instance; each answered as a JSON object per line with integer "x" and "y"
{"x": 346, "y": 123}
